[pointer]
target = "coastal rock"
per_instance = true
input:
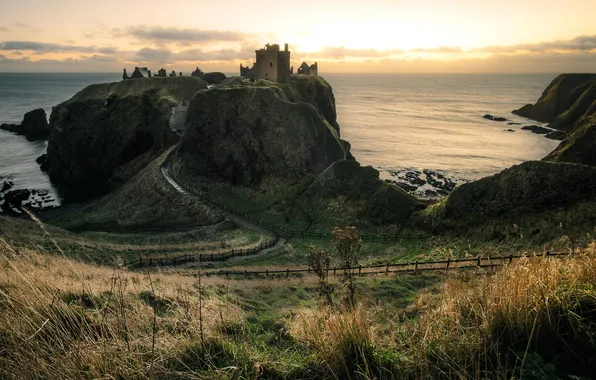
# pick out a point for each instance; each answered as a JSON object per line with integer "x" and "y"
{"x": 525, "y": 188}
{"x": 107, "y": 132}
{"x": 509, "y": 130}
{"x": 213, "y": 78}
{"x": 34, "y": 126}
{"x": 566, "y": 100}
{"x": 512, "y": 123}
{"x": 494, "y": 118}
{"x": 536, "y": 129}
{"x": 579, "y": 146}
{"x": 312, "y": 90}
{"x": 556, "y": 135}
{"x": 242, "y": 134}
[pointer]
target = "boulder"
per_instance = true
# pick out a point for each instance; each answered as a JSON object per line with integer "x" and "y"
{"x": 107, "y": 132}
{"x": 34, "y": 126}
{"x": 213, "y": 78}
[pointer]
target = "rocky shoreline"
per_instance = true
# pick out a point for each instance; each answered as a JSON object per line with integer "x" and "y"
{"x": 548, "y": 132}
{"x": 13, "y": 200}
{"x": 423, "y": 183}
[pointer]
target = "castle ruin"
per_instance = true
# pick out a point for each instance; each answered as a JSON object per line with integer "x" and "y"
{"x": 273, "y": 64}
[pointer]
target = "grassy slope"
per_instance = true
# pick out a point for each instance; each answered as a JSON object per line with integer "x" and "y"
{"x": 146, "y": 200}
{"x": 69, "y": 320}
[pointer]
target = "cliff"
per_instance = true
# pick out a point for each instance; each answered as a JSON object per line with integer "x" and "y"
{"x": 245, "y": 132}
{"x": 566, "y": 99}
{"x": 569, "y": 104}
{"x": 107, "y": 132}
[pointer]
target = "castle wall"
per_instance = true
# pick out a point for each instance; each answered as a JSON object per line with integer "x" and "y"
{"x": 266, "y": 66}
{"x": 283, "y": 66}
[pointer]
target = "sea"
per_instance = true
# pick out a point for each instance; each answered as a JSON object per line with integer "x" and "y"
{"x": 397, "y": 123}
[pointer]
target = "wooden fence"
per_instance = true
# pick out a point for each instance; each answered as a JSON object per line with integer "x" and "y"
{"x": 416, "y": 266}
{"x": 208, "y": 257}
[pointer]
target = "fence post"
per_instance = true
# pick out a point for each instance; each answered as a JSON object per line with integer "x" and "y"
{"x": 359, "y": 269}
{"x": 334, "y": 271}
{"x": 479, "y": 258}
{"x": 510, "y": 258}
{"x": 267, "y": 273}
{"x": 245, "y": 273}
{"x": 416, "y": 268}
{"x": 448, "y": 262}
{"x": 150, "y": 261}
{"x": 288, "y": 272}
{"x": 387, "y": 270}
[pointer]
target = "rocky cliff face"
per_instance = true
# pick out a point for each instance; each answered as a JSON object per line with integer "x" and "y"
{"x": 107, "y": 132}
{"x": 529, "y": 187}
{"x": 569, "y": 104}
{"x": 563, "y": 102}
{"x": 245, "y": 131}
{"x": 34, "y": 126}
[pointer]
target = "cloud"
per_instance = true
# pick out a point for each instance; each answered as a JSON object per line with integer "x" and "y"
{"x": 3, "y": 30}
{"x": 158, "y": 34}
{"x": 43, "y": 47}
{"x": 440, "y": 50}
{"x": 21, "y": 25}
{"x": 581, "y": 43}
{"x": 147, "y": 55}
{"x": 341, "y": 52}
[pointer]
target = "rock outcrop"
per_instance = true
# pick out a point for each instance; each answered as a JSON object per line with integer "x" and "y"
{"x": 34, "y": 126}
{"x": 243, "y": 133}
{"x": 529, "y": 187}
{"x": 197, "y": 73}
{"x": 213, "y": 78}
{"x": 107, "y": 132}
{"x": 579, "y": 146}
{"x": 352, "y": 194}
{"x": 564, "y": 101}
{"x": 569, "y": 105}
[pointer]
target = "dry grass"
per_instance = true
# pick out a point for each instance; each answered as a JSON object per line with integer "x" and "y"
{"x": 534, "y": 319}
{"x": 64, "y": 319}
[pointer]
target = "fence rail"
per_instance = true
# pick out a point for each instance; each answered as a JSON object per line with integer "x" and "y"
{"x": 207, "y": 257}
{"x": 416, "y": 266}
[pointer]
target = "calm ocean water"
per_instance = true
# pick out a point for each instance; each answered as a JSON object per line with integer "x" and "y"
{"x": 393, "y": 121}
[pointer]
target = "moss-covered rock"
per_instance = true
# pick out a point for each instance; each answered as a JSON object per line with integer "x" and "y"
{"x": 579, "y": 146}
{"x": 107, "y": 132}
{"x": 529, "y": 187}
{"x": 564, "y": 101}
{"x": 242, "y": 133}
{"x": 350, "y": 194}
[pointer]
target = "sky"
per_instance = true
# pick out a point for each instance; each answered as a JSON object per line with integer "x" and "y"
{"x": 368, "y": 36}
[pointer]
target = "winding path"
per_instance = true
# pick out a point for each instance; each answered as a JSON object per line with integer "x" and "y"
{"x": 165, "y": 171}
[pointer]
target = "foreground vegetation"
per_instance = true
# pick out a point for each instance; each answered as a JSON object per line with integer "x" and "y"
{"x": 65, "y": 319}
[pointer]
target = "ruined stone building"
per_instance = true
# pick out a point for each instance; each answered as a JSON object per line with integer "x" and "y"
{"x": 305, "y": 69}
{"x": 272, "y": 64}
{"x": 143, "y": 72}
